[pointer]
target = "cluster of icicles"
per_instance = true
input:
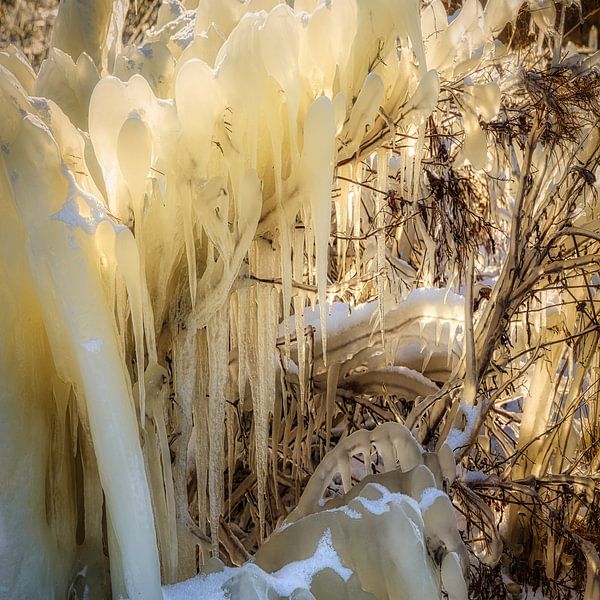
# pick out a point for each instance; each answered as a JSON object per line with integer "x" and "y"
{"x": 144, "y": 192}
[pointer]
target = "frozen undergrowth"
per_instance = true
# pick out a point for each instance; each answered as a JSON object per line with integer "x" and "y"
{"x": 167, "y": 207}
{"x": 333, "y": 554}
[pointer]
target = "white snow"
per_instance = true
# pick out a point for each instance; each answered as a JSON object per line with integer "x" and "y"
{"x": 300, "y": 574}
{"x": 382, "y": 505}
{"x": 429, "y": 496}
{"x": 473, "y": 476}
{"x": 209, "y": 587}
{"x": 342, "y": 316}
{"x": 294, "y": 576}
{"x": 458, "y": 438}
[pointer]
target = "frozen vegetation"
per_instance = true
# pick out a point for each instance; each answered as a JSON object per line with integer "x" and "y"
{"x": 299, "y": 300}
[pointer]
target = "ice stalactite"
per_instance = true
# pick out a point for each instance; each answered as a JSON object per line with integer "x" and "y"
{"x": 280, "y": 62}
{"x": 185, "y": 379}
{"x": 68, "y": 82}
{"x": 383, "y": 157}
{"x": 267, "y": 317}
{"x": 356, "y": 204}
{"x": 201, "y": 427}
{"x": 218, "y": 352}
{"x": 318, "y": 154}
{"x": 190, "y": 243}
{"x": 91, "y": 28}
{"x": 25, "y": 523}
{"x": 332, "y": 381}
{"x": 157, "y": 457}
{"x": 128, "y": 259}
{"x": 15, "y": 62}
{"x": 299, "y": 302}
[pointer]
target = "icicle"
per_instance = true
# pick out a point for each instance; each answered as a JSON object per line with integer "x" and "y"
{"x": 345, "y": 472}
{"x": 148, "y": 319}
{"x": 366, "y": 454}
{"x": 452, "y": 330}
{"x": 422, "y": 338}
{"x": 449, "y": 285}
{"x": 364, "y": 111}
{"x": 263, "y": 401}
{"x": 343, "y": 211}
{"x": 382, "y": 184}
{"x": 416, "y": 178}
{"x": 157, "y": 457}
{"x": 386, "y": 450}
{"x": 185, "y": 362}
{"x": 439, "y": 328}
{"x": 332, "y": 381}
{"x": 134, "y": 154}
{"x": 279, "y": 416}
{"x": 218, "y": 368}
{"x": 117, "y": 576}
{"x": 310, "y": 431}
{"x": 423, "y": 101}
{"x": 286, "y": 279}
{"x": 356, "y": 217}
{"x": 244, "y": 323}
{"x": 92, "y": 489}
{"x": 201, "y": 421}
{"x": 287, "y": 430}
{"x": 121, "y": 312}
{"x": 128, "y": 261}
{"x": 317, "y": 172}
{"x": 298, "y": 269}
{"x": 190, "y": 246}
{"x": 340, "y": 225}
{"x": 64, "y": 262}
{"x": 168, "y": 557}
{"x": 309, "y": 245}
{"x": 231, "y": 428}
{"x": 168, "y": 481}
{"x": 285, "y": 249}
{"x": 426, "y": 360}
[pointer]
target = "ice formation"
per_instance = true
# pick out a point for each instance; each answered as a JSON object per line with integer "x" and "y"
{"x": 165, "y": 207}
{"x": 327, "y": 550}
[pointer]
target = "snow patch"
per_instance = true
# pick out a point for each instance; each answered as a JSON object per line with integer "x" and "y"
{"x": 382, "y": 505}
{"x": 291, "y": 577}
{"x": 458, "y": 438}
{"x": 428, "y": 497}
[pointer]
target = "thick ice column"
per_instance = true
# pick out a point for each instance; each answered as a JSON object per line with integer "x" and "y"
{"x": 218, "y": 362}
{"x": 84, "y": 343}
